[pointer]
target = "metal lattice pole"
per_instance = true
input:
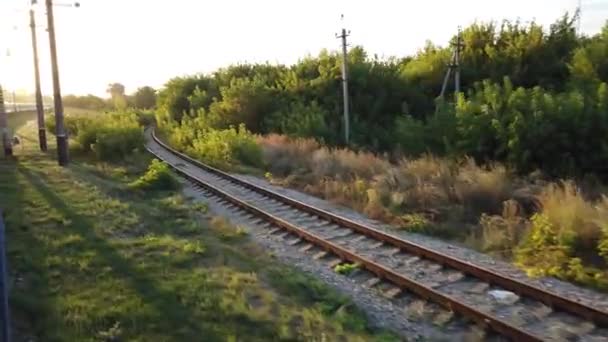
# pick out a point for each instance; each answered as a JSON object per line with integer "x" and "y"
{"x": 455, "y": 66}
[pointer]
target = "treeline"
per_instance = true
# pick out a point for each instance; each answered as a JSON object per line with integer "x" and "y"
{"x": 142, "y": 98}
{"x": 533, "y": 97}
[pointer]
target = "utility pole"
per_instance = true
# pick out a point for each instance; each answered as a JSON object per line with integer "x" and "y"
{"x": 6, "y": 137}
{"x": 454, "y": 65}
{"x": 345, "y": 83}
{"x": 60, "y": 133}
{"x": 580, "y": 15}
{"x": 15, "y": 109}
{"x": 39, "y": 105}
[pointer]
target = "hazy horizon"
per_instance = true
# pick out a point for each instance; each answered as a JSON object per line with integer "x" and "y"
{"x": 139, "y": 43}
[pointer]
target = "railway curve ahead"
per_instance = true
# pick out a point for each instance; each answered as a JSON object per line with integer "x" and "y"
{"x": 455, "y": 284}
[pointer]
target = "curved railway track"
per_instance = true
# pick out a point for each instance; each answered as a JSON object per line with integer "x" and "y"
{"x": 457, "y": 285}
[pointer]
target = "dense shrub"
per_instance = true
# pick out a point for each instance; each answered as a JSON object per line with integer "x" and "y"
{"x": 110, "y": 136}
{"x": 560, "y": 133}
{"x": 223, "y": 148}
{"x": 71, "y": 123}
{"x": 157, "y": 177}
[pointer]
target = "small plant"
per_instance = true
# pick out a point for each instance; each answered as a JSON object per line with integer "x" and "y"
{"x": 200, "y": 207}
{"x": 346, "y": 268}
{"x": 227, "y": 230}
{"x": 157, "y": 177}
{"x": 268, "y": 176}
{"x": 415, "y": 222}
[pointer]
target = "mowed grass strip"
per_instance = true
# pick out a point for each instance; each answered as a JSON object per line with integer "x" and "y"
{"x": 92, "y": 260}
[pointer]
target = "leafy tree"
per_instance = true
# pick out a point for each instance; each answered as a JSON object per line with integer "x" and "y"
{"x": 144, "y": 98}
{"x": 117, "y": 93}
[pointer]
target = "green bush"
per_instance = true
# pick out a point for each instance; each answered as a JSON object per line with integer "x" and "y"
{"x": 118, "y": 141}
{"x": 300, "y": 120}
{"x": 157, "y": 177}
{"x": 111, "y": 136}
{"x": 72, "y": 124}
{"x": 409, "y": 135}
{"x": 223, "y": 148}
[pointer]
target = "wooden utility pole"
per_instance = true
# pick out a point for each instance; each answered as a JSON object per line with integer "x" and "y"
{"x": 579, "y": 17}
{"x": 60, "y": 133}
{"x": 345, "y": 84}
{"x": 4, "y": 130}
{"x": 453, "y": 66}
{"x": 15, "y": 108}
{"x": 39, "y": 105}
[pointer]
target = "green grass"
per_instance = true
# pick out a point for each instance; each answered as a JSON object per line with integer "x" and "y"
{"x": 91, "y": 260}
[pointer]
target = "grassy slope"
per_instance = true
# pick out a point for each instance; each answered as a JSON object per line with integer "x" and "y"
{"x": 91, "y": 260}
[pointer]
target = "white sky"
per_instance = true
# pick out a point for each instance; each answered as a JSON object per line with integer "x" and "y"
{"x": 146, "y": 42}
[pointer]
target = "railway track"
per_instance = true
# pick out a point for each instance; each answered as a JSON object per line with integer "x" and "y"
{"x": 534, "y": 315}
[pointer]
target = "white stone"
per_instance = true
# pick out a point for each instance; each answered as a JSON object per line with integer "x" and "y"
{"x": 504, "y": 297}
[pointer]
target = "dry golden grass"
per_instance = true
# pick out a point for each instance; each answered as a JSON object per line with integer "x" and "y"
{"x": 287, "y": 155}
{"x": 574, "y": 218}
{"x": 384, "y": 190}
{"x": 483, "y": 190}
